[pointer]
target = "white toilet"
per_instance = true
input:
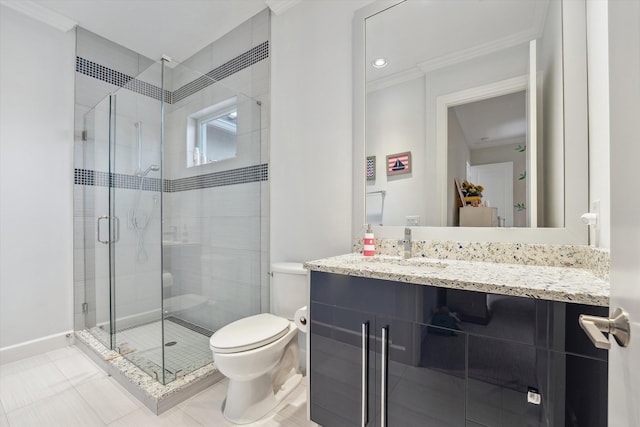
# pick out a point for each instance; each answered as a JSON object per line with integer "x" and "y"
{"x": 259, "y": 354}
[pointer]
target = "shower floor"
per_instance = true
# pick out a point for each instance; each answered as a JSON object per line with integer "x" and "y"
{"x": 186, "y": 347}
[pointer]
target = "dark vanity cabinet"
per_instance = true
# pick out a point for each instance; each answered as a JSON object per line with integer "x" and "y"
{"x": 385, "y": 353}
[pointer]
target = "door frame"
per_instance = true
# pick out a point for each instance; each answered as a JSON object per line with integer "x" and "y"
{"x": 443, "y": 103}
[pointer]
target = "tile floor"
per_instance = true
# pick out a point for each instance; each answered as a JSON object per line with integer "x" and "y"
{"x": 65, "y": 388}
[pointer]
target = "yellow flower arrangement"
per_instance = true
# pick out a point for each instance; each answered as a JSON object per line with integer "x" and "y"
{"x": 469, "y": 189}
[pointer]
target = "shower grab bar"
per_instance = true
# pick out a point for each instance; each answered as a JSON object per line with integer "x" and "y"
{"x": 115, "y": 230}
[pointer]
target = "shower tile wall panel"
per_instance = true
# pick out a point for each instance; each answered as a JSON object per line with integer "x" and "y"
{"x": 228, "y": 220}
{"x": 227, "y": 264}
{"x": 249, "y": 143}
{"x": 89, "y": 278}
{"x": 102, "y": 51}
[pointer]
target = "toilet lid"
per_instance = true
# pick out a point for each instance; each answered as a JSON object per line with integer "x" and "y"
{"x": 249, "y": 333}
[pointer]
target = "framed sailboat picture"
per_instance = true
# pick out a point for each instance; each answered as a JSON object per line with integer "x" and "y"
{"x": 399, "y": 163}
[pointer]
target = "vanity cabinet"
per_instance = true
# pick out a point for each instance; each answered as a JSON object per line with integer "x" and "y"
{"x": 399, "y": 354}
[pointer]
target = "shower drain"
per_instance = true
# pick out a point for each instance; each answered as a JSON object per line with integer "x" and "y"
{"x": 170, "y": 343}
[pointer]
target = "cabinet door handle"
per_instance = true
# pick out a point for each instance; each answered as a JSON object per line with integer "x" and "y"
{"x": 383, "y": 378}
{"x": 365, "y": 373}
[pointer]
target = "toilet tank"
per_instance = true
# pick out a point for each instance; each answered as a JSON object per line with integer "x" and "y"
{"x": 288, "y": 288}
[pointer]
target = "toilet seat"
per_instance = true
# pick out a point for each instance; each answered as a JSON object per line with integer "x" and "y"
{"x": 249, "y": 333}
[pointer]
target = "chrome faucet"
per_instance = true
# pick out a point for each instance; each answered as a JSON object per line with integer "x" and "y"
{"x": 407, "y": 243}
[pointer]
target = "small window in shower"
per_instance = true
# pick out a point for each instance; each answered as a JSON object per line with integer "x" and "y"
{"x": 215, "y": 133}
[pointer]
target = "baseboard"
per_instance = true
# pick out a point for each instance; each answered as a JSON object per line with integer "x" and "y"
{"x": 35, "y": 347}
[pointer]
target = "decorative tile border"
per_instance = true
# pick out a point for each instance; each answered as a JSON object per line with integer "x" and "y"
{"x": 583, "y": 257}
{"x": 227, "y": 69}
{"x": 244, "y": 175}
{"x": 218, "y": 179}
{"x": 116, "y": 180}
{"x": 100, "y": 72}
{"x": 106, "y": 74}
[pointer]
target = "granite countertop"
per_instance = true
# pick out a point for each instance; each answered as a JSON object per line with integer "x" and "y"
{"x": 566, "y": 284}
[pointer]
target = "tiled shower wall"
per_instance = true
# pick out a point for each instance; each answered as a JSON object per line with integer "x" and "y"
{"x": 214, "y": 216}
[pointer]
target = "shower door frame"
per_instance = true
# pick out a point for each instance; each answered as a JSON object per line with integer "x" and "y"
{"x": 107, "y": 226}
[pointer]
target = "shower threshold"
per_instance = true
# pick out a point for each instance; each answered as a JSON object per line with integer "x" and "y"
{"x": 154, "y": 395}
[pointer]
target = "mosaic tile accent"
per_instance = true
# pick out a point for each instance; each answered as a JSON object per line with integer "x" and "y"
{"x": 100, "y": 72}
{"x": 238, "y": 63}
{"x": 115, "y": 180}
{"x": 106, "y": 74}
{"x": 244, "y": 175}
{"x": 218, "y": 179}
{"x": 563, "y": 284}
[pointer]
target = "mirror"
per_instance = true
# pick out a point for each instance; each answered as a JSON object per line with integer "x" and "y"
{"x": 484, "y": 91}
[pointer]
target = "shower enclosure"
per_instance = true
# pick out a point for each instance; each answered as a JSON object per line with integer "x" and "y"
{"x": 172, "y": 183}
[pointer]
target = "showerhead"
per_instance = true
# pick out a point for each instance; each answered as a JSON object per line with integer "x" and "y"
{"x": 154, "y": 168}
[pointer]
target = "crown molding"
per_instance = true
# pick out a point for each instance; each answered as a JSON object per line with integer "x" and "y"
{"x": 394, "y": 79}
{"x": 40, "y": 13}
{"x": 476, "y": 51}
{"x": 281, "y": 6}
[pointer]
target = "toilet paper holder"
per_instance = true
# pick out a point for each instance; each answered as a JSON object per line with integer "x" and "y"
{"x": 300, "y": 318}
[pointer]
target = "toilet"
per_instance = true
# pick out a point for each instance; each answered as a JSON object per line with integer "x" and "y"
{"x": 259, "y": 354}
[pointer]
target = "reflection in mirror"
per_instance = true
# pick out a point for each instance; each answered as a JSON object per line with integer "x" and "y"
{"x": 212, "y": 133}
{"x": 472, "y": 90}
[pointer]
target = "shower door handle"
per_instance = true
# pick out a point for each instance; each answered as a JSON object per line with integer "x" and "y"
{"x": 100, "y": 218}
{"x": 115, "y": 229}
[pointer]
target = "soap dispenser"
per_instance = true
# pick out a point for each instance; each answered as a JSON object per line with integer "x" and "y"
{"x": 369, "y": 242}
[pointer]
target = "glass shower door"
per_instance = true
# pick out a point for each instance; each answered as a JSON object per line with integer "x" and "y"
{"x": 135, "y": 206}
{"x": 123, "y": 200}
{"x": 97, "y": 223}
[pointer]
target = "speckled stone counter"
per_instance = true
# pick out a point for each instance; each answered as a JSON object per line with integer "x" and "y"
{"x": 567, "y": 284}
{"x": 576, "y": 256}
{"x": 154, "y": 395}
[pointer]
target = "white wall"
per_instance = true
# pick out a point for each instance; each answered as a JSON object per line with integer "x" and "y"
{"x": 599, "y": 171}
{"x": 311, "y": 130}
{"x": 395, "y": 124}
{"x": 36, "y": 179}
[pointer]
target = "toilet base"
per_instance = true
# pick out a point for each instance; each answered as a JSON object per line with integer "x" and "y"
{"x": 256, "y": 398}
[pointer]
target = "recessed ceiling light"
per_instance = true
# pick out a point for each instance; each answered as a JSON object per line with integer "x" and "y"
{"x": 379, "y": 63}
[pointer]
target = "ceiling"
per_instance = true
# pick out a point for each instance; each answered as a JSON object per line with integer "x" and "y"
{"x": 177, "y": 28}
{"x": 420, "y": 34}
{"x": 495, "y": 121}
